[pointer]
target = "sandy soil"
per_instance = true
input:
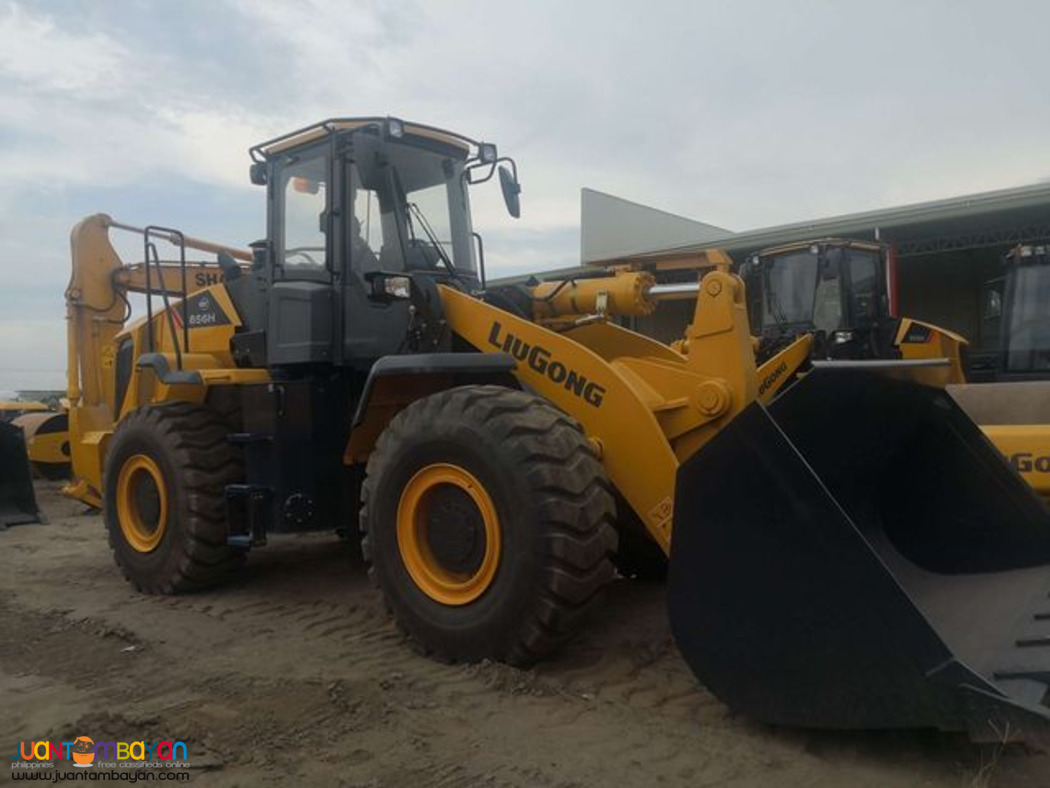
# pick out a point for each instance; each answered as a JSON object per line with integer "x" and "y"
{"x": 294, "y": 675}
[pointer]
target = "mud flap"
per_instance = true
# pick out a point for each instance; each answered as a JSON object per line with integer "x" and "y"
{"x": 858, "y": 555}
{"x": 17, "y": 499}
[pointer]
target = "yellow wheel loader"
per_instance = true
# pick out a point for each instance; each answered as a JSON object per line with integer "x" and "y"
{"x": 832, "y": 294}
{"x": 827, "y": 300}
{"x": 851, "y": 555}
{"x": 1013, "y": 408}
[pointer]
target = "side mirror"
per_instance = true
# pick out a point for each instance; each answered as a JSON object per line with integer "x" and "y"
{"x": 229, "y": 267}
{"x": 511, "y": 192}
{"x": 260, "y": 254}
{"x": 258, "y": 173}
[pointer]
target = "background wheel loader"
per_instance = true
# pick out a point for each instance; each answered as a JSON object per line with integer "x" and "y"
{"x": 827, "y": 300}
{"x": 1013, "y": 407}
{"x": 852, "y": 555}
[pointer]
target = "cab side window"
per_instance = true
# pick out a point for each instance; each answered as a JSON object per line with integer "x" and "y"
{"x": 304, "y": 191}
{"x": 827, "y": 302}
{"x": 865, "y": 286}
{"x": 366, "y": 226}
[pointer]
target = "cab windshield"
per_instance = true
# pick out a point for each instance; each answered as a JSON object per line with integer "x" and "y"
{"x": 804, "y": 288}
{"x": 789, "y": 283}
{"x": 1028, "y": 326}
{"x": 419, "y": 190}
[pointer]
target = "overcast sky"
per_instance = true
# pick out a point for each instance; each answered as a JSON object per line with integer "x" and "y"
{"x": 741, "y": 114}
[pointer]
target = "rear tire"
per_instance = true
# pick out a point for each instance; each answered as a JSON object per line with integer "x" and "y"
{"x": 507, "y": 473}
{"x": 165, "y": 509}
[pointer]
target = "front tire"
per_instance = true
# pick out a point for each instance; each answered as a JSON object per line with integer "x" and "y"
{"x": 488, "y": 522}
{"x": 165, "y": 477}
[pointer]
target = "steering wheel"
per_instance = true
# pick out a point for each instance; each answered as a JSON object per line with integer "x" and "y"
{"x": 301, "y": 252}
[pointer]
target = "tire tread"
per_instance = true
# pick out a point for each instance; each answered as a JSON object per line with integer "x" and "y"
{"x": 573, "y": 498}
{"x": 204, "y": 462}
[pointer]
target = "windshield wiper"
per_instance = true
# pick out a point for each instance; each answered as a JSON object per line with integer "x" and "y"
{"x": 432, "y": 237}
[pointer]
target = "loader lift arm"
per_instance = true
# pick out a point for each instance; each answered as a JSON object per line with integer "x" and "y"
{"x": 636, "y": 397}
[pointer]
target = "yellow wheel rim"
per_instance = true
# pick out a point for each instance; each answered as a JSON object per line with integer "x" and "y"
{"x": 142, "y": 503}
{"x": 448, "y": 534}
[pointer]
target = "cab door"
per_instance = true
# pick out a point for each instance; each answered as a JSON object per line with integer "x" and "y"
{"x": 371, "y": 242}
{"x": 301, "y": 325}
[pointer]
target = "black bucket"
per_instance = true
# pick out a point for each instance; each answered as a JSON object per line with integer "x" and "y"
{"x": 858, "y": 555}
{"x": 17, "y": 499}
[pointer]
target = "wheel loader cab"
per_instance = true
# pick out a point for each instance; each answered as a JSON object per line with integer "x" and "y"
{"x": 365, "y": 219}
{"x": 1025, "y": 337}
{"x": 350, "y": 214}
{"x": 833, "y": 288}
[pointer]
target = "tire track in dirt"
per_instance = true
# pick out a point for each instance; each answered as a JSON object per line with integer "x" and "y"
{"x": 627, "y": 671}
{"x": 297, "y": 655}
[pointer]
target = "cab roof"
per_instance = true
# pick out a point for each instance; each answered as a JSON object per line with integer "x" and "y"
{"x": 10, "y": 404}
{"x": 795, "y": 246}
{"x": 316, "y": 131}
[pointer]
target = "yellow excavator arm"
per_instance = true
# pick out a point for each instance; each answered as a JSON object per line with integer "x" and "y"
{"x": 97, "y": 314}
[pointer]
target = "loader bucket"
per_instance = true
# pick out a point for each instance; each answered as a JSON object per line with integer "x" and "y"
{"x": 17, "y": 499}
{"x": 858, "y": 555}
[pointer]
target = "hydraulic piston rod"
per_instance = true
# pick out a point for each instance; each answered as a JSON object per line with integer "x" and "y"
{"x": 675, "y": 291}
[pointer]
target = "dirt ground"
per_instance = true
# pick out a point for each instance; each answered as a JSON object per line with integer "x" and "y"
{"x": 294, "y": 675}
